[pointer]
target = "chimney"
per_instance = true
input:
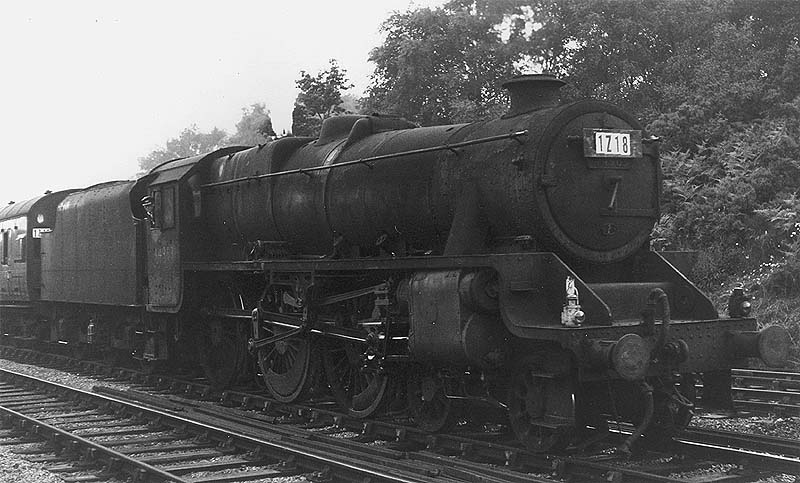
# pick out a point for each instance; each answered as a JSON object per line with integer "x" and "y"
{"x": 530, "y": 92}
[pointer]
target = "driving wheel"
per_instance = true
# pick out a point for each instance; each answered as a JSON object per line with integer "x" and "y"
{"x": 358, "y": 387}
{"x": 287, "y": 368}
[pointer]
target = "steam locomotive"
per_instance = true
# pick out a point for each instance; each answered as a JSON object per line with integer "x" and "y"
{"x": 502, "y": 265}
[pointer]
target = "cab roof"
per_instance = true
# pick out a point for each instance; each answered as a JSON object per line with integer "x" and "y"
{"x": 177, "y": 168}
{"x": 15, "y": 210}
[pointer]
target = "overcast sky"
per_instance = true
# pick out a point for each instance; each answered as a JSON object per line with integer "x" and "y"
{"x": 89, "y": 87}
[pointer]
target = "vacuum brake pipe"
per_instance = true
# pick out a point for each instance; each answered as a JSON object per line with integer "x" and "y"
{"x": 657, "y": 296}
{"x": 647, "y": 391}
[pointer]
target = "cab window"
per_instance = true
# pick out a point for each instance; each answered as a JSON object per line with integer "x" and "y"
{"x": 163, "y": 211}
{"x": 168, "y": 207}
{"x": 155, "y": 209}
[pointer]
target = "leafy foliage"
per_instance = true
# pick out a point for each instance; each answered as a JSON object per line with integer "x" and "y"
{"x": 190, "y": 142}
{"x": 731, "y": 158}
{"x": 736, "y": 199}
{"x": 717, "y": 80}
{"x": 320, "y": 97}
{"x": 440, "y": 66}
{"x": 254, "y": 127}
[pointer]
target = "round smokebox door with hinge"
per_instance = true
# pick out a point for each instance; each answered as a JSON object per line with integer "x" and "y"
{"x": 600, "y": 189}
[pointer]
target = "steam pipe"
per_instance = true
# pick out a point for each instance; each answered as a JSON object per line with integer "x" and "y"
{"x": 658, "y": 296}
{"x": 647, "y": 391}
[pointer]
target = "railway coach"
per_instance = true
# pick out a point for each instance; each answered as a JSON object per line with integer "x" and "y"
{"x": 22, "y": 226}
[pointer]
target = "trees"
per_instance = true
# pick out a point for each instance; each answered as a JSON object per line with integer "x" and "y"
{"x": 254, "y": 127}
{"x": 320, "y": 97}
{"x": 717, "y": 80}
{"x": 190, "y": 142}
{"x": 446, "y": 64}
{"x": 439, "y": 66}
{"x": 632, "y": 52}
{"x": 729, "y": 121}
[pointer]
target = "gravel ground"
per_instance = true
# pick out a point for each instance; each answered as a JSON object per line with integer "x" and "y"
{"x": 61, "y": 377}
{"x": 783, "y": 427}
{"x": 14, "y": 469}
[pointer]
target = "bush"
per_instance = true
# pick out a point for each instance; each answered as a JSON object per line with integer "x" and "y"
{"x": 736, "y": 200}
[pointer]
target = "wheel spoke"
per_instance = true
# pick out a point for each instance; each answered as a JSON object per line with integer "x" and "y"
{"x": 286, "y": 373}
{"x": 360, "y": 394}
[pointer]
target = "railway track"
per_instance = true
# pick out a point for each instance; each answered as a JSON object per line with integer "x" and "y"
{"x": 754, "y": 443}
{"x": 775, "y": 392}
{"x": 96, "y": 436}
{"x": 470, "y": 454}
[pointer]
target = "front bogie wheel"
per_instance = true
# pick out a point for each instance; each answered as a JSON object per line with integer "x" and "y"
{"x": 428, "y": 404}
{"x": 541, "y": 407}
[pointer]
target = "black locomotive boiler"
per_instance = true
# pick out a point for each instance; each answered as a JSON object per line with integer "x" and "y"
{"x": 502, "y": 264}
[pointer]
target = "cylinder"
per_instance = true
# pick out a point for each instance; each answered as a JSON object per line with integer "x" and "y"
{"x": 446, "y": 330}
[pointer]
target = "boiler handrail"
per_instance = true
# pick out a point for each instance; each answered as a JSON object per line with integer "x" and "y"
{"x": 366, "y": 161}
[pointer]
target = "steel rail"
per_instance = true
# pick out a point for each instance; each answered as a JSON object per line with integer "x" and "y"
{"x": 765, "y": 393}
{"x": 514, "y": 456}
{"x": 283, "y": 445}
{"x": 752, "y": 442}
{"x": 619, "y": 472}
{"x": 766, "y": 407}
{"x": 694, "y": 439}
{"x": 765, "y": 461}
{"x": 739, "y": 372}
{"x": 62, "y": 435}
{"x": 372, "y": 159}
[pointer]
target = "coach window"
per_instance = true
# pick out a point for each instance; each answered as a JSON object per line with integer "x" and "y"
{"x": 21, "y": 246}
{"x": 5, "y": 247}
